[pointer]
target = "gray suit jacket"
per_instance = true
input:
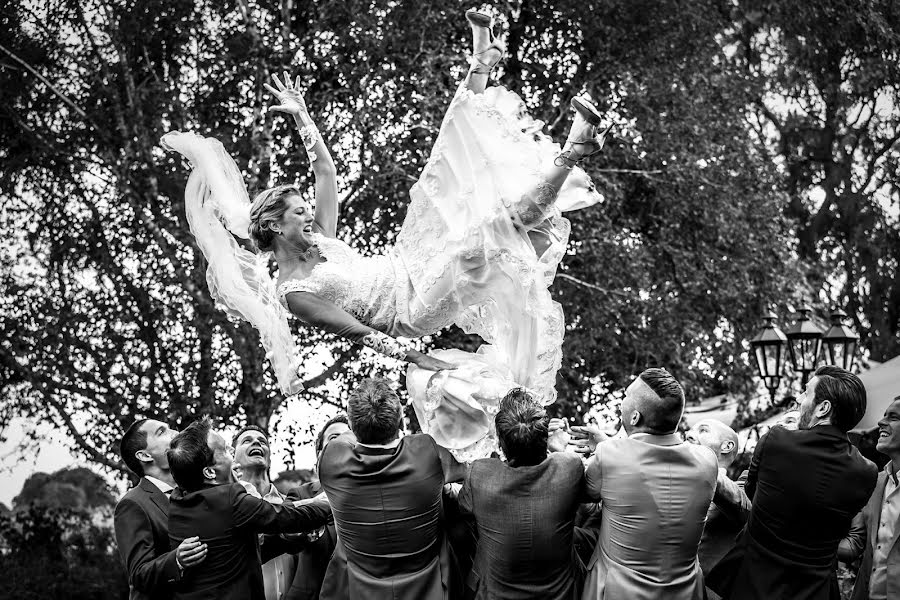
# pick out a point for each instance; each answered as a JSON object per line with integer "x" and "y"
{"x": 526, "y": 521}
{"x": 861, "y": 541}
{"x": 655, "y": 491}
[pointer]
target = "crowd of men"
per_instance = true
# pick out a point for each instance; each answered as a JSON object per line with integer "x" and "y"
{"x": 566, "y": 513}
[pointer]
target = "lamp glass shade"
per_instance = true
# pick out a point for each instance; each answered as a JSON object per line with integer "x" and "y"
{"x": 804, "y": 342}
{"x": 768, "y": 348}
{"x": 839, "y": 343}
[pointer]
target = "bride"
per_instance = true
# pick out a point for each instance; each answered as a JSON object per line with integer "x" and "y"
{"x": 479, "y": 247}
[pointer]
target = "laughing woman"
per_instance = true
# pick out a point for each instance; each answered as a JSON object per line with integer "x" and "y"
{"x": 479, "y": 246}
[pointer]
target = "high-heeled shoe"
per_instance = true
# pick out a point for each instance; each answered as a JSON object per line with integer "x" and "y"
{"x": 583, "y": 140}
{"x": 480, "y": 65}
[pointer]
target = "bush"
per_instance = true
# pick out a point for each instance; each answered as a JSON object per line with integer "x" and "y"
{"x": 58, "y": 553}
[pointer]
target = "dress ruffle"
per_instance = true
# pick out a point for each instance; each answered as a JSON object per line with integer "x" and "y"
{"x": 460, "y": 245}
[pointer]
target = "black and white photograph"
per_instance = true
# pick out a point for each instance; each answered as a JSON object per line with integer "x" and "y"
{"x": 441, "y": 300}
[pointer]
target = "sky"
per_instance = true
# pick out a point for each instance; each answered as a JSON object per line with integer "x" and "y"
{"x": 54, "y": 454}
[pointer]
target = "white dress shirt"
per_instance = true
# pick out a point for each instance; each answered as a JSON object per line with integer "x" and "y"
{"x": 164, "y": 487}
{"x": 278, "y": 573}
{"x": 890, "y": 512}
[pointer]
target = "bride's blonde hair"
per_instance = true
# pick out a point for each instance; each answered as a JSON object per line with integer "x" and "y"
{"x": 268, "y": 207}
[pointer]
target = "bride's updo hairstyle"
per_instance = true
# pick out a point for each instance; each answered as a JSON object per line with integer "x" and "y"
{"x": 268, "y": 208}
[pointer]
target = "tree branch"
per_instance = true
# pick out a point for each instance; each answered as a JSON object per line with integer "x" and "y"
{"x": 590, "y": 286}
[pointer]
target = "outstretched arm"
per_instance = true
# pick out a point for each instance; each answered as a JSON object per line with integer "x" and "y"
{"x": 325, "y": 315}
{"x": 291, "y": 102}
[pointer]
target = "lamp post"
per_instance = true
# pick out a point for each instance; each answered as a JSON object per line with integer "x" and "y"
{"x": 804, "y": 344}
{"x": 839, "y": 342}
{"x": 768, "y": 348}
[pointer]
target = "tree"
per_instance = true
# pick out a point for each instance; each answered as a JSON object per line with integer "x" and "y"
{"x": 105, "y": 312}
{"x": 77, "y": 489}
{"x": 51, "y": 553}
{"x": 827, "y": 90}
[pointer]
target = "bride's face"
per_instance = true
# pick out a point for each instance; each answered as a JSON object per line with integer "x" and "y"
{"x": 297, "y": 223}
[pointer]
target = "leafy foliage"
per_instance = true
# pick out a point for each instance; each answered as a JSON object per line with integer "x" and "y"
{"x": 75, "y": 489}
{"x": 47, "y": 553}
{"x": 104, "y": 310}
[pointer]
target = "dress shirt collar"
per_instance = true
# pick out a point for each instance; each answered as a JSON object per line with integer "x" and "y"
{"x": 667, "y": 439}
{"x": 892, "y": 471}
{"x": 164, "y": 487}
{"x": 392, "y": 444}
{"x": 273, "y": 496}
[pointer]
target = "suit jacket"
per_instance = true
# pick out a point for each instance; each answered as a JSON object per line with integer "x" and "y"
{"x": 525, "y": 518}
{"x": 388, "y": 512}
{"x": 861, "y": 541}
{"x": 313, "y": 557}
{"x": 230, "y": 520}
{"x": 655, "y": 491}
{"x": 724, "y": 521}
{"x": 806, "y": 486}
{"x": 141, "y": 522}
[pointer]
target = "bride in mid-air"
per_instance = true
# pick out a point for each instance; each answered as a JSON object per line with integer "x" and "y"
{"x": 479, "y": 247}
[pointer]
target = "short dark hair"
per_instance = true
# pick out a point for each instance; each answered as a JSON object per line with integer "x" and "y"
{"x": 320, "y": 437}
{"x": 133, "y": 440}
{"x": 245, "y": 429}
{"x": 522, "y": 427}
{"x": 373, "y": 411}
{"x": 189, "y": 453}
{"x": 846, "y": 393}
{"x": 667, "y": 416}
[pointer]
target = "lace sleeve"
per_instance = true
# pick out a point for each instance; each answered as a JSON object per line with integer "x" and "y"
{"x": 294, "y": 285}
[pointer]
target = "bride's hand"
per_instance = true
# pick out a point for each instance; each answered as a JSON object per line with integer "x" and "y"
{"x": 423, "y": 361}
{"x": 290, "y": 101}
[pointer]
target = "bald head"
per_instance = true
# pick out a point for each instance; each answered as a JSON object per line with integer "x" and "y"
{"x": 718, "y": 437}
{"x": 654, "y": 403}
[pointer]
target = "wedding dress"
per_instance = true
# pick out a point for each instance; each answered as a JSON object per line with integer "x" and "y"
{"x": 462, "y": 256}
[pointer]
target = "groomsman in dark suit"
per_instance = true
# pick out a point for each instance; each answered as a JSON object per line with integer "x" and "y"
{"x": 876, "y": 530}
{"x": 211, "y": 503}
{"x": 312, "y": 560}
{"x": 524, "y": 510}
{"x": 387, "y": 496}
{"x": 142, "y": 516}
{"x": 806, "y": 486}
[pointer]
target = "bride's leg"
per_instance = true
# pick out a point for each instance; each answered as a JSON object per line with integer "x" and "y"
{"x": 486, "y": 51}
{"x": 582, "y": 141}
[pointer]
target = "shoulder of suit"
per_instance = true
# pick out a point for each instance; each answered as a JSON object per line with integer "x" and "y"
{"x": 567, "y": 458}
{"x": 136, "y": 496}
{"x": 705, "y": 454}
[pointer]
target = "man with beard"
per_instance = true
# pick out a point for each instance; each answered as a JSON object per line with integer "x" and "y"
{"x": 806, "y": 486}
{"x": 211, "y": 503}
{"x": 876, "y": 529}
{"x": 142, "y": 516}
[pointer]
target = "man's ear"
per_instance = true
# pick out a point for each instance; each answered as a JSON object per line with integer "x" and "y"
{"x": 635, "y": 418}
{"x": 727, "y": 447}
{"x": 209, "y": 473}
{"x": 823, "y": 409}
{"x": 143, "y": 456}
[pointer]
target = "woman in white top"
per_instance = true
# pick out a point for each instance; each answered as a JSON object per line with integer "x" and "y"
{"x": 479, "y": 247}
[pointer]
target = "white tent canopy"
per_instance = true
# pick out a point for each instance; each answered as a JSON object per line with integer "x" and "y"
{"x": 882, "y": 386}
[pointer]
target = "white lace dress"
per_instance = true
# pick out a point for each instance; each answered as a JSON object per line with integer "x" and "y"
{"x": 460, "y": 258}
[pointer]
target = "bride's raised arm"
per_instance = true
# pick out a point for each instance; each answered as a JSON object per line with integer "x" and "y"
{"x": 291, "y": 102}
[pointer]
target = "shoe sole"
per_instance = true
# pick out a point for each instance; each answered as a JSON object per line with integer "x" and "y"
{"x": 587, "y": 110}
{"x": 476, "y": 18}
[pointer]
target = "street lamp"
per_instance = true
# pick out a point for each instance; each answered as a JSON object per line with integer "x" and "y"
{"x": 804, "y": 343}
{"x": 839, "y": 342}
{"x": 768, "y": 348}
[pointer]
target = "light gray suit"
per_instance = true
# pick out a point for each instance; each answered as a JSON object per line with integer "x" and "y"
{"x": 655, "y": 491}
